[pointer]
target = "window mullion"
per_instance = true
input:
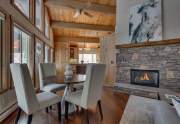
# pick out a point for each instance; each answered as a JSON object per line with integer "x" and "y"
{"x": 21, "y": 46}
{"x": 1, "y": 83}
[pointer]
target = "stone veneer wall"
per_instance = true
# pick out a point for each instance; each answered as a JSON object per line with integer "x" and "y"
{"x": 166, "y": 59}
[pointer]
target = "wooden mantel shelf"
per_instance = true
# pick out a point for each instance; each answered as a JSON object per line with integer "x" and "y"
{"x": 150, "y": 43}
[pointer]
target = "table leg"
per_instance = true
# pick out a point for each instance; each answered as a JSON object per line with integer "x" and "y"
{"x": 63, "y": 99}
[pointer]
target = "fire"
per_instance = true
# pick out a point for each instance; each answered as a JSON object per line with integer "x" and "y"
{"x": 145, "y": 77}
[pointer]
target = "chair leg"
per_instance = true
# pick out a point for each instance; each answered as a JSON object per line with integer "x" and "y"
{"x": 59, "y": 110}
{"x": 29, "y": 119}
{"x": 100, "y": 109}
{"x": 66, "y": 109}
{"x": 47, "y": 110}
{"x": 87, "y": 116}
{"x": 50, "y": 107}
{"x": 18, "y": 115}
{"x": 77, "y": 108}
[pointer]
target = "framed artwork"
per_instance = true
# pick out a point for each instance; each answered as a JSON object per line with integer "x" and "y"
{"x": 145, "y": 22}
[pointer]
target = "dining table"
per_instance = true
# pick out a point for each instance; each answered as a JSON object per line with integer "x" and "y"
{"x": 69, "y": 81}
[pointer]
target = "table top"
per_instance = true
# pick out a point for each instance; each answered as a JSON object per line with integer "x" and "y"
{"x": 75, "y": 79}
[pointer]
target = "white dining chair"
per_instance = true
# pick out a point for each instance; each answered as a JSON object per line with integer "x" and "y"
{"x": 45, "y": 70}
{"x": 27, "y": 99}
{"x": 91, "y": 94}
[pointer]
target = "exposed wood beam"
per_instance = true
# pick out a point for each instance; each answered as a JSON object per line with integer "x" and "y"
{"x": 76, "y": 39}
{"x": 80, "y": 5}
{"x": 56, "y": 24}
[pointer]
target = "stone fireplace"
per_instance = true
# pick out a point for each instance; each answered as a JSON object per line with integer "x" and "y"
{"x": 164, "y": 58}
{"x": 148, "y": 78}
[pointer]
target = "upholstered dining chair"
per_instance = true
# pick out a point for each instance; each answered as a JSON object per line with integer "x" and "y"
{"x": 27, "y": 99}
{"x": 45, "y": 70}
{"x": 90, "y": 96}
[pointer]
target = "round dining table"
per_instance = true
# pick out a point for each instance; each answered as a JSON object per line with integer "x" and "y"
{"x": 68, "y": 81}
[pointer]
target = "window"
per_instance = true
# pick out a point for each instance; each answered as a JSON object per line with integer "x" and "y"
{"x": 87, "y": 58}
{"x": 47, "y": 54}
{"x": 20, "y": 46}
{"x": 39, "y": 14}
{"x": 39, "y": 58}
{"x": 23, "y": 6}
{"x": 1, "y": 48}
{"x": 46, "y": 23}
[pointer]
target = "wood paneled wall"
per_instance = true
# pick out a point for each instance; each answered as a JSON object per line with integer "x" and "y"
{"x": 61, "y": 56}
{"x": 108, "y": 57}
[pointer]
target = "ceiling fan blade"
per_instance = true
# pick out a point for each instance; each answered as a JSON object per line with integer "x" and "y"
{"x": 77, "y": 14}
{"x": 88, "y": 14}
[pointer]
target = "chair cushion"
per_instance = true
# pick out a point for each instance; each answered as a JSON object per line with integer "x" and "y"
{"x": 165, "y": 114}
{"x": 74, "y": 97}
{"x": 46, "y": 99}
{"x": 140, "y": 110}
{"x": 53, "y": 87}
{"x": 176, "y": 102}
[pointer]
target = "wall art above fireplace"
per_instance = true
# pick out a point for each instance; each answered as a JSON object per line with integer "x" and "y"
{"x": 145, "y": 22}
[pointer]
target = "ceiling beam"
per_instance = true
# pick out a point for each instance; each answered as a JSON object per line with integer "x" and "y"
{"x": 56, "y": 24}
{"x": 76, "y": 39}
{"x": 81, "y": 4}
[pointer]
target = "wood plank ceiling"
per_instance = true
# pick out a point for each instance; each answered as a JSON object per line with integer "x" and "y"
{"x": 101, "y": 23}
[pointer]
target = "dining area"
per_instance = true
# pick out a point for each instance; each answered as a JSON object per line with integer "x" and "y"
{"x": 66, "y": 94}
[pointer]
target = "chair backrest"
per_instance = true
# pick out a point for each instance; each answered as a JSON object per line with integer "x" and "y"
{"x": 45, "y": 70}
{"x": 92, "y": 91}
{"x": 24, "y": 89}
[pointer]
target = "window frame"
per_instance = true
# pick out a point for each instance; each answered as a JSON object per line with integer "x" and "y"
{"x": 3, "y": 86}
{"x": 1, "y": 41}
{"x": 16, "y": 7}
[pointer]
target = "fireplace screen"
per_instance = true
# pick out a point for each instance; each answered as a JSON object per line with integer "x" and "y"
{"x": 145, "y": 77}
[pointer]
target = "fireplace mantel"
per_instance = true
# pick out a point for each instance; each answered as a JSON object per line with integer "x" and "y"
{"x": 149, "y": 43}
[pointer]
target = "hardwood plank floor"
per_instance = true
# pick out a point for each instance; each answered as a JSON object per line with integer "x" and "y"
{"x": 113, "y": 105}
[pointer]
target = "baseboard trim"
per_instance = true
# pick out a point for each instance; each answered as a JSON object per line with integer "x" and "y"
{"x": 8, "y": 112}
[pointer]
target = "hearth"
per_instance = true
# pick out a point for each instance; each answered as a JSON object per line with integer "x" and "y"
{"x": 145, "y": 77}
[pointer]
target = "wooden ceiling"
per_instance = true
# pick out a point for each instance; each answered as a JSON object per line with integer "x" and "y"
{"x": 78, "y": 33}
{"x": 102, "y": 20}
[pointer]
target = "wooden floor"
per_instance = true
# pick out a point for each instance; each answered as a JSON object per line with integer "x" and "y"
{"x": 113, "y": 105}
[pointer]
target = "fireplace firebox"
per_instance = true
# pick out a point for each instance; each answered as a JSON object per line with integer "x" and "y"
{"x": 145, "y": 77}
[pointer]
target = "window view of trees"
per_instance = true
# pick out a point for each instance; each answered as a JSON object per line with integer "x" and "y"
{"x": 39, "y": 58}
{"x": 23, "y": 6}
{"x": 20, "y": 46}
{"x": 46, "y": 23}
{"x": 38, "y": 14}
{"x": 47, "y": 54}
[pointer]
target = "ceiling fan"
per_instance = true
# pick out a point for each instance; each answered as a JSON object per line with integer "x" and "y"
{"x": 82, "y": 10}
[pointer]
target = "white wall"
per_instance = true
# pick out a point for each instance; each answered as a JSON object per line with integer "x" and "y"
{"x": 170, "y": 19}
